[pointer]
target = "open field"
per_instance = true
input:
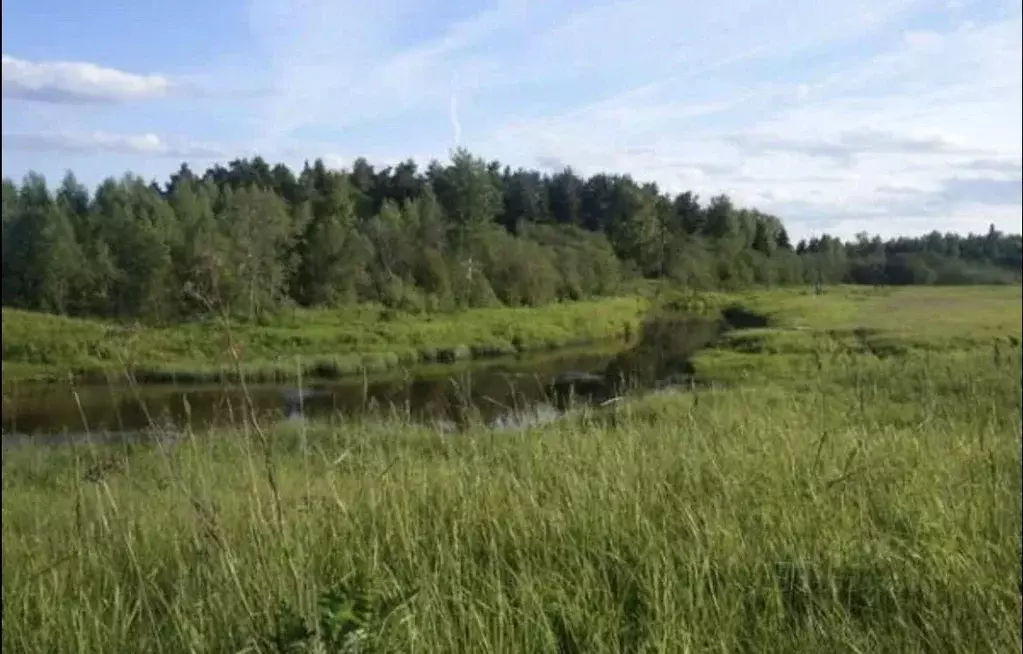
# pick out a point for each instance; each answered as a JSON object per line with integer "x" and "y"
{"x": 857, "y": 489}
{"x": 939, "y": 327}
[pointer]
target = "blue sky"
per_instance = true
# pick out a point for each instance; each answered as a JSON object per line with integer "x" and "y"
{"x": 886, "y": 116}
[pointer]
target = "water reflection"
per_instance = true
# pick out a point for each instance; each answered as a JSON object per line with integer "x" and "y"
{"x": 483, "y": 393}
{"x": 506, "y": 394}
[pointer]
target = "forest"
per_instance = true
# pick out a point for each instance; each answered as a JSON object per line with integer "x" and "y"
{"x": 251, "y": 238}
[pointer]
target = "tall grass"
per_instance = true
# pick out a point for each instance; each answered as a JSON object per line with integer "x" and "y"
{"x": 873, "y": 507}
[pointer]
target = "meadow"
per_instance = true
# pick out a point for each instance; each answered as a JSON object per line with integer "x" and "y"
{"x": 316, "y": 342}
{"x": 854, "y": 485}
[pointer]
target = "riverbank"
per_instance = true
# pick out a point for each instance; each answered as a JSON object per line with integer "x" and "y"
{"x": 368, "y": 340}
{"x": 314, "y": 343}
{"x": 840, "y": 496}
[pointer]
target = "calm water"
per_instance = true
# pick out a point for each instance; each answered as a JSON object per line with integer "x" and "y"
{"x": 498, "y": 392}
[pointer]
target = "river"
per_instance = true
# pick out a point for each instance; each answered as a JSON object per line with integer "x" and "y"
{"x": 498, "y": 392}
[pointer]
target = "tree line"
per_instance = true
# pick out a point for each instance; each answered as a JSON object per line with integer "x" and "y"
{"x": 252, "y": 238}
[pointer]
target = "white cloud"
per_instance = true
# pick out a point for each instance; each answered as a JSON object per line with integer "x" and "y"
{"x": 1006, "y": 166}
{"x": 104, "y": 142}
{"x": 923, "y": 39}
{"x": 77, "y": 82}
{"x": 938, "y": 114}
{"x": 806, "y": 108}
{"x": 844, "y": 147}
{"x": 333, "y": 62}
{"x": 337, "y": 161}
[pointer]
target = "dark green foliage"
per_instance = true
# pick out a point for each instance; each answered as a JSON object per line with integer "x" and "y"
{"x": 251, "y": 238}
{"x": 946, "y": 259}
{"x": 331, "y": 253}
{"x": 349, "y": 619}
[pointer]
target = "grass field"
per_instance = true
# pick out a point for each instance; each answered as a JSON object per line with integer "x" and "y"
{"x": 856, "y": 489}
{"x": 321, "y": 343}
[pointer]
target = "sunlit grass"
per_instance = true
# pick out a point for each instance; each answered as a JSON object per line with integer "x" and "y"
{"x": 974, "y": 311}
{"x": 834, "y": 499}
{"x": 319, "y": 342}
{"x": 938, "y": 326}
{"x": 353, "y": 341}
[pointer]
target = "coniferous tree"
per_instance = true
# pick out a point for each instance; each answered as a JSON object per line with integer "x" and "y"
{"x": 252, "y": 237}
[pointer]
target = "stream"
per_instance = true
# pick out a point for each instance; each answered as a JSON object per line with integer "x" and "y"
{"x": 502, "y": 393}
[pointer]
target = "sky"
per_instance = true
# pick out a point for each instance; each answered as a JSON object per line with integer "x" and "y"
{"x": 840, "y": 116}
